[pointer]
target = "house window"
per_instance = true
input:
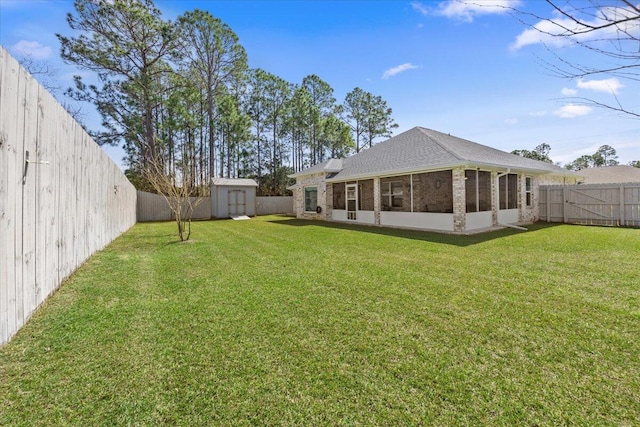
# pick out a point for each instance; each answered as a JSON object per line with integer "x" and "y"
{"x": 310, "y": 199}
{"x": 508, "y": 191}
{"x": 528, "y": 191}
{"x": 392, "y": 195}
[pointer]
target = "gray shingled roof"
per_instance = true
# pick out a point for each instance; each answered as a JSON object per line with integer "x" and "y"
{"x": 610, "y": 175}
{"x": 421, "y": 149}
{"x": 234, "y": 182}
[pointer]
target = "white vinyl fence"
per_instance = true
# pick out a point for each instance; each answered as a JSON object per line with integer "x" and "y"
{"x": 591, "y": 204}
{"x": 153, "y": 207}
{"x": 61, "y": 197}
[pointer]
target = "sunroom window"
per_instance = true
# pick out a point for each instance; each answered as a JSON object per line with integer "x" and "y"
{"x": 477, "y": 190}
{"x": 339, "y": 201}
{"x": 508, "y": 188}
{"x": 392, "y": 195}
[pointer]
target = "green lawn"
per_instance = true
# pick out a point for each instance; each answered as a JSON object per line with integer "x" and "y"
{"x": 276, "y": 321}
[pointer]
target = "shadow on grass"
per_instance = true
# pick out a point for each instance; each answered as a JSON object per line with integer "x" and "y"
{"x": 428, "y": 236}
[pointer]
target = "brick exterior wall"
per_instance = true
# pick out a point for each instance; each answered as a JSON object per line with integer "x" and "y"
{"x": 459, "y": 201}
{"x": 316, "y": 180}
{"x": 528, "y": 214}
{"x": 376, "y": 201}
{"x": 494, "y": 196}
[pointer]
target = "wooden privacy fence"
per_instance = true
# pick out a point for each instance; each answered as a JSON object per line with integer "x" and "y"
{"x": 271, "y": 205}
{"x": 61, "y": 197}
{"x": 153, "y": 207}
{"x": 591, "y": 204}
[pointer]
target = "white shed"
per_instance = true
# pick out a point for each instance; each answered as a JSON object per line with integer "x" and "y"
{"x": 233, "y": 197}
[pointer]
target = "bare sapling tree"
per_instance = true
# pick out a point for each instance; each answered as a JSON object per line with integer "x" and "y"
{"x": 606, "y": 34}
{"x": 47, "y": 75}
{"x": 178, "y": 188}
{"x": 176, "y": 176}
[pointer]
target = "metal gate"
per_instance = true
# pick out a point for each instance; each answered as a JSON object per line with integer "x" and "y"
{"x": 596, "y": 204}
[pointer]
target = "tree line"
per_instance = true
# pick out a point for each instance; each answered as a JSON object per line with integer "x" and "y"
{"x": 180, "y": 98}
{"x": 605, "y": 155}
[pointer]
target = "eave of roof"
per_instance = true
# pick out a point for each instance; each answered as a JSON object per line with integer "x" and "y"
{"x": 465, "y": 165}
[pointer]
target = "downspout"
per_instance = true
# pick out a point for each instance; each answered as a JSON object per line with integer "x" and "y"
{"x": 517, "y": 227}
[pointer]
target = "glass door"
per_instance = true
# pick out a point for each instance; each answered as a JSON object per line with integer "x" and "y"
{"x": 352, "y": 201}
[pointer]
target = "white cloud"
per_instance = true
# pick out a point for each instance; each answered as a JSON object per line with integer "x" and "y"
{"x": 543, "y": 32}
{"x": 563, "y": 31}
{"x": 419, "y": 7}
{"x": 466, "y": 10}
{"x": 32, "y": 49}
{"x": 538, "y": 113}
{"x": 569, "y": 92}
{"x": 511, "y": 121}
{"x": 612, "y": 85}
{"x": 570, "y": 111}
{"x": 399, "y": 69}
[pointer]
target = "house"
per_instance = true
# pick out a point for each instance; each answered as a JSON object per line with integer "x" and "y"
{"x": 610, "y": 175}
{"x": 233, "y": 197}
{"x": 424, "y": 179}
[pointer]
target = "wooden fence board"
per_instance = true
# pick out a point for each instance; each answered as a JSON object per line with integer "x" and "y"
{"x": 47, "y": 250}
{"x": 29, "y": 207}
{"x": 153, "y": 207}
{"x": 65, "y": 210}
{"x": 11, "y": 119}
{"x": 4, "y": 194}
{"x": 16, "y": 171}
{"x": 591, "y": 204}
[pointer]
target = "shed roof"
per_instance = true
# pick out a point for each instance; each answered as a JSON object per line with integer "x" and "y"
{"x": 234, "y": 182}
{"x": 610, "y": 175}
{"x": 425, "y": 149}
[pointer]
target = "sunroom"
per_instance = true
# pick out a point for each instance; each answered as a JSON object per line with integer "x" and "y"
{"x": 427, "y": 180}
{"x": 425, "y": 200}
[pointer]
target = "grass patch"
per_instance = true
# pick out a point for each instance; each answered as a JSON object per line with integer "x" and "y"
{"x": 277, "y": 321}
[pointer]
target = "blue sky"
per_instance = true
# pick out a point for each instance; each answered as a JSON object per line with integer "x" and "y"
{"x": 474, "y": 72}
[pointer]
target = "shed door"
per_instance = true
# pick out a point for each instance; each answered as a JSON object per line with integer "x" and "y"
{"x": 237, "y": 204}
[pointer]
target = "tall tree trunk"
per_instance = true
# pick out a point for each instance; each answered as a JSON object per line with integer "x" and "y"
{"x": 274, "y": 163}
{"x": 221, "y": 154}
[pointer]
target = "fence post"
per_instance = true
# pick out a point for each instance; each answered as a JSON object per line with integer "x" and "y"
{"x": 548, "y": 197}
{"x": 622, "y": 218}
{"x": 565, "y": 198}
